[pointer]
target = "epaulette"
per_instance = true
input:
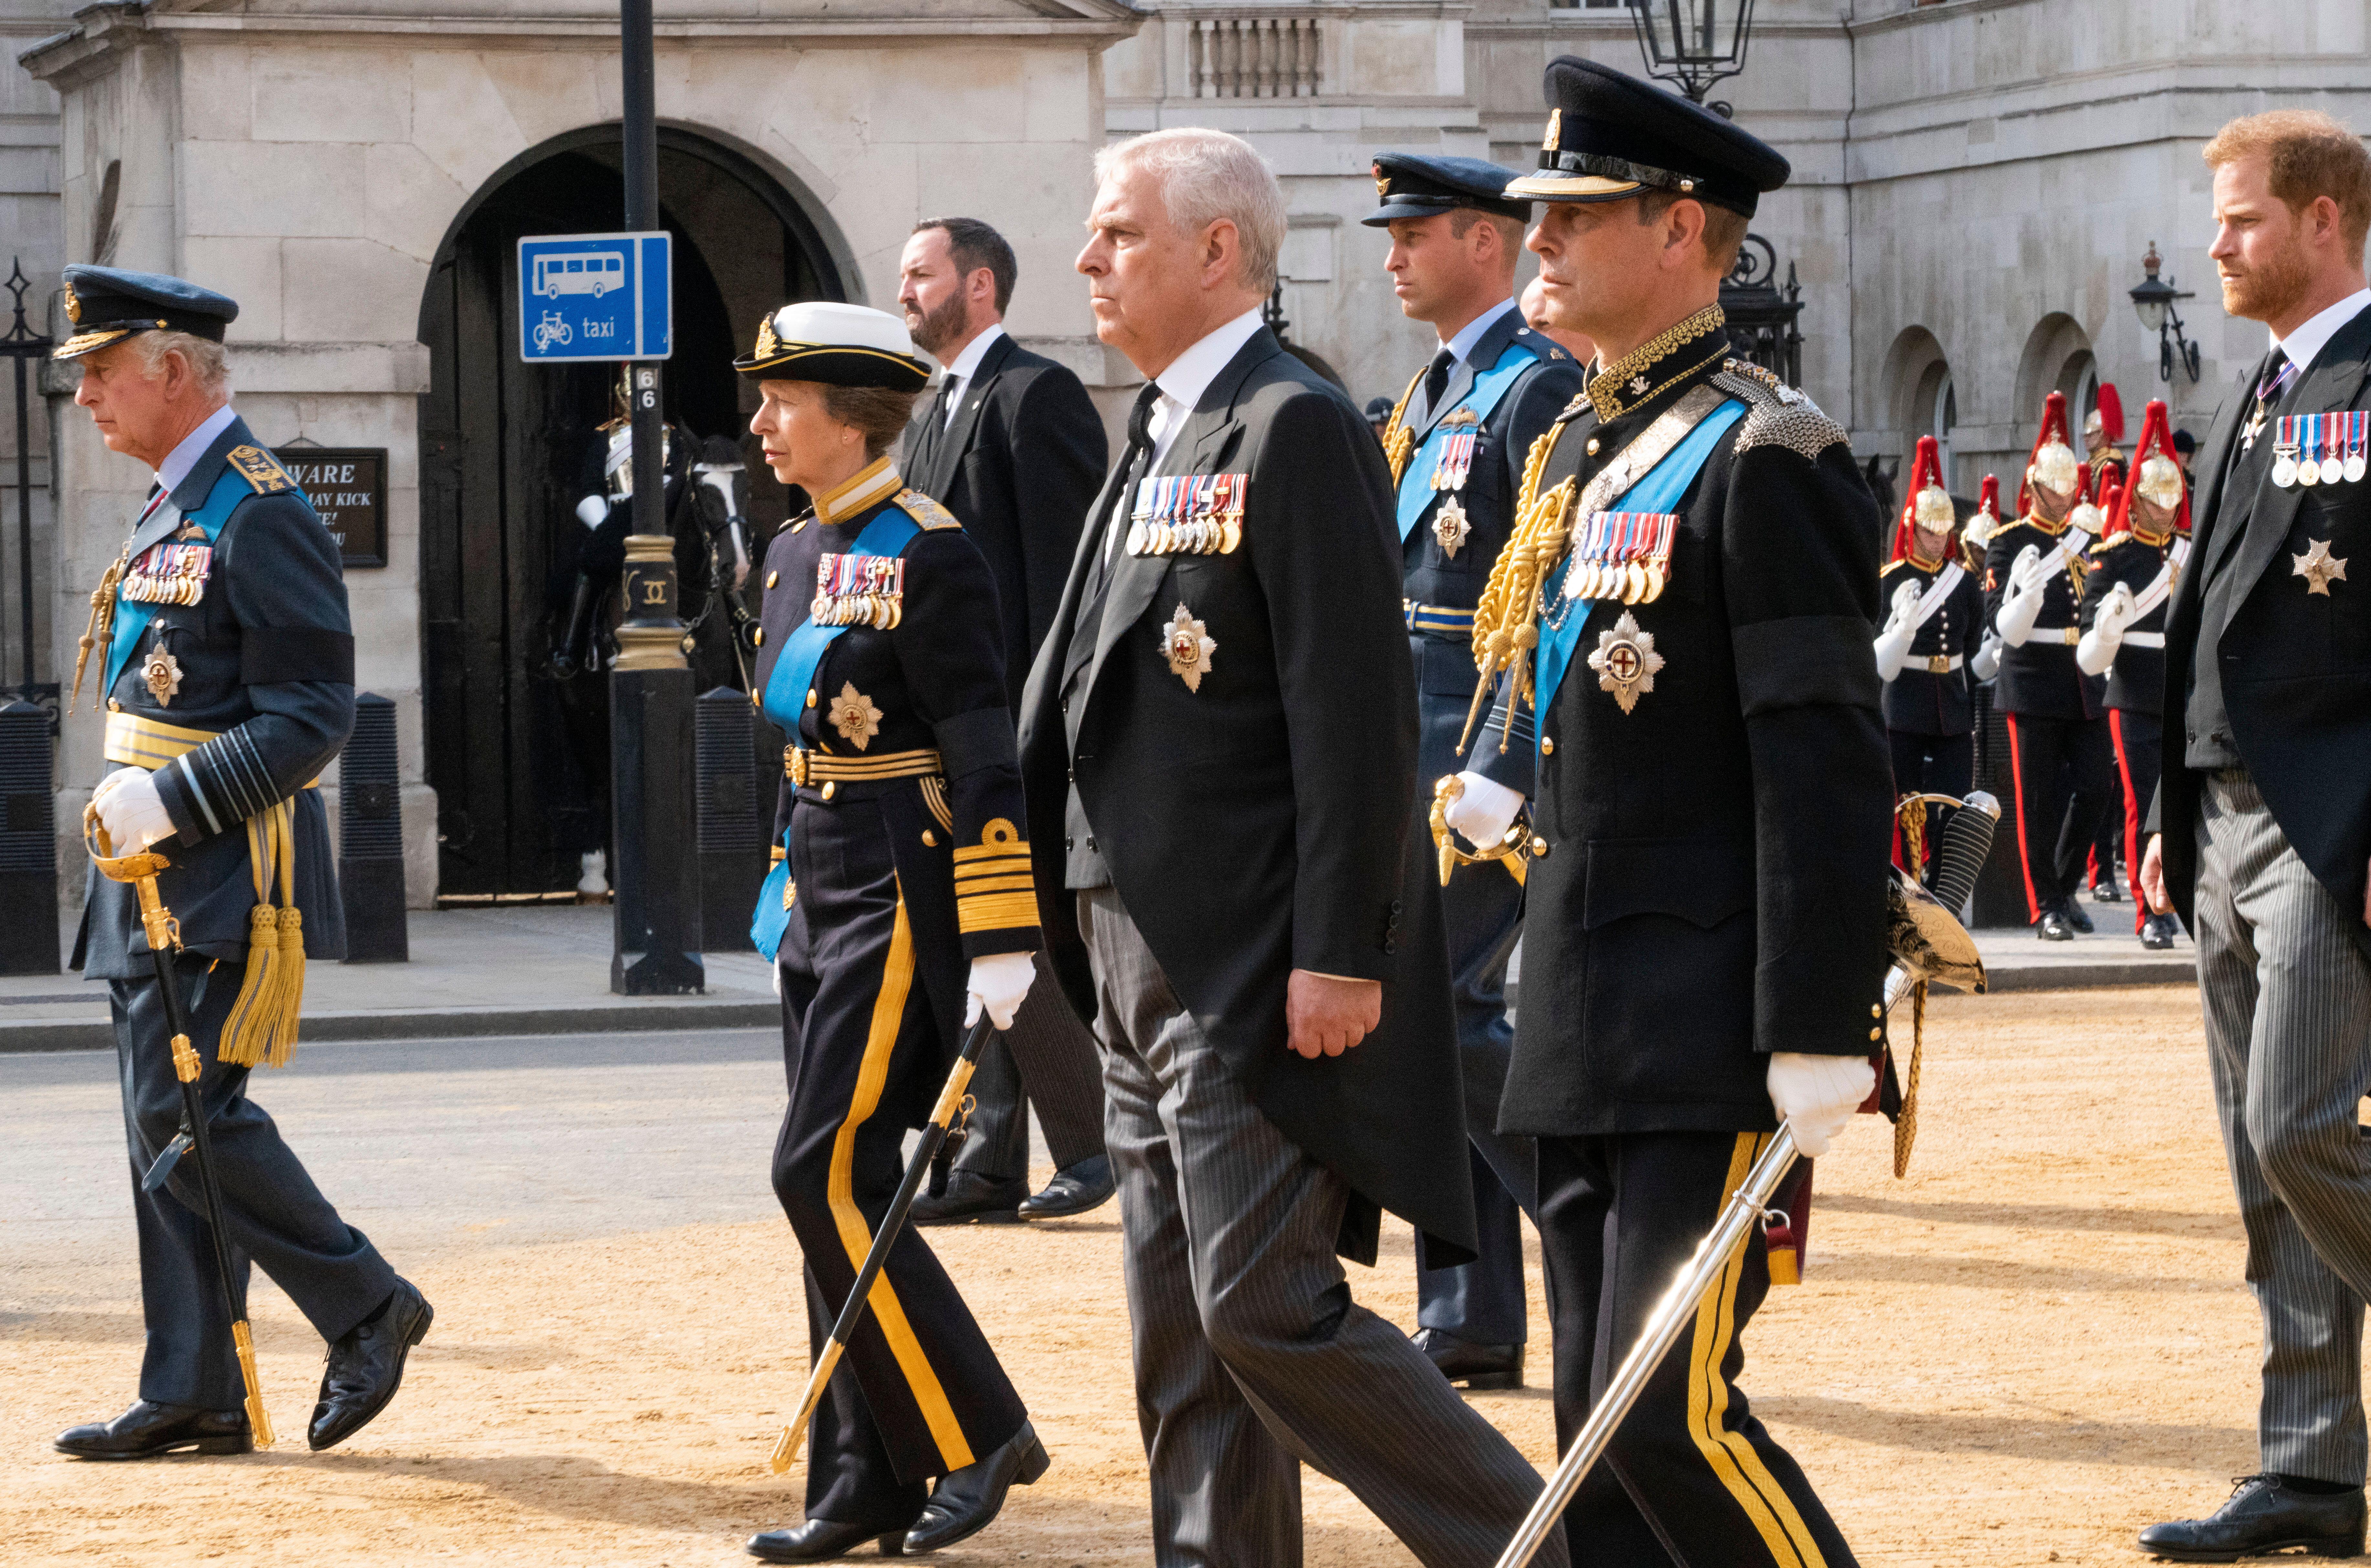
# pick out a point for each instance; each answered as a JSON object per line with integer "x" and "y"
{"x": 1573, "y": 410}
{"x": 1890, "y": 568}
{"x": 260, "y": 469}
{"x": 1549, "y": 351}
{"x": 1776, "y": 413}
{"x": 926, "y": 512}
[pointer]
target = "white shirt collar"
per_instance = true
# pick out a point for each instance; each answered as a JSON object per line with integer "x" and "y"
{"x": 2306, "y": 342}
{"x": 966, "y": 364}
{"x": 184, "y": 457}
{"x": 1461, "y": 347}
{"x": 1190, "y": 375}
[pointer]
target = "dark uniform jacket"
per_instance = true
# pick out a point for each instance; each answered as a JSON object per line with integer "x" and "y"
{"x": 932, "y": 681}
{"x": 267, "y": 667}
{"x": 1714, "y": 885}
{"x": 1924, "y": 699}
{"x": 2039, "y": 678}
{"x": 1020, "y": 464}
{"x": 2136, "y": 679}
{"x": 2295, "y": 665}
{"x": 1436, "y": 580}
{"x": 1259, "y": 823}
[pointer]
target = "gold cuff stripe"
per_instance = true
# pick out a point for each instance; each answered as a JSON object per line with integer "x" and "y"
{"x": 1020, "y": 882}
{"x": 991, "y": 865}
{"x": 997, "y": 911}
{"x": 151, "y": 744}
{"x": 1008, "y": 850}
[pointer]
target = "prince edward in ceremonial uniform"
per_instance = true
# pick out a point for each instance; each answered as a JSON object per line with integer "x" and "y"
{"x": 1456, "y": 444}
{"x": 1218, "y": 749}
{"x": 227, "y": 673}
{"x": 1707, "y": 907}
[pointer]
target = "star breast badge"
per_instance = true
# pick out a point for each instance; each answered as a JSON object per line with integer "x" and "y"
{"x": 162, "y": 673}
{"x": 1451, "y": 527}
{"x": 1625, "y": 661}
{"x": 1188, "y": 647}
{"x": 2318, "y": 568}
{"x": 853, "y": 715}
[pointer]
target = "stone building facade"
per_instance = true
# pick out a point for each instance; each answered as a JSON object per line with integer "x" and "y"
{"x": 1975, "y": 183}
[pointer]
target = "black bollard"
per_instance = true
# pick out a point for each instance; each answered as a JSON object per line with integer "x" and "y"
{"x": 28, "y": 842}
{"x": 732, "y": 829}
{"x": 370, "y": 838}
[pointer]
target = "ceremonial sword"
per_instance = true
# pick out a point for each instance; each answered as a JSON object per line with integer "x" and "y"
{"x": 851, "y": 1312}
{"x": 163, "y": 946}
{"x": 1967, "y": 838}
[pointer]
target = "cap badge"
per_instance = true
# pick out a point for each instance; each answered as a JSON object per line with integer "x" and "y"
{"x": 1625, "y": 661}
{"x": 1188, "y": 647}
{"x": 1383, "y": 180}
{"x": 74, "y": 306}
{"x": 768, "y": 344}
{"x": 1548, "y": 143}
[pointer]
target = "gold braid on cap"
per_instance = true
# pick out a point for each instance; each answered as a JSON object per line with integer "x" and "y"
{"x": 1399, "y": 441}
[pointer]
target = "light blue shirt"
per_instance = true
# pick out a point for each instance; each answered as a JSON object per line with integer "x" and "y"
{"x": 184, "y": 457}
{"x": 1462, "y": 345}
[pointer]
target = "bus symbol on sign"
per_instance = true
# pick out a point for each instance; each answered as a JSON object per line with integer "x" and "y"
{"x": 593, "y": 296}
{"x": 596, "y": 272}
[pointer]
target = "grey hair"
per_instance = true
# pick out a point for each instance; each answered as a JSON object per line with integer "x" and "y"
{"x": 207, "y": 361}
{"x": 1206, "y": 176}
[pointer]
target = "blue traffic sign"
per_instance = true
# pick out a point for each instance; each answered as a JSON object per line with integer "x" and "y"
{"x": 595, "y": 296}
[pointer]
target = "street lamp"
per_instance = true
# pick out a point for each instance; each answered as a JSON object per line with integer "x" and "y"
{"x": 1694, "y": 43}
{"x": 2153, "y": 300}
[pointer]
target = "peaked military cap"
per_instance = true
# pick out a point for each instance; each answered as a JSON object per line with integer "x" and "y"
{"x": 108, "y": 304}
{"x": 1413, "y": 187}
{"x": 840, "y": 345}
{"x": 1612, "y": 136}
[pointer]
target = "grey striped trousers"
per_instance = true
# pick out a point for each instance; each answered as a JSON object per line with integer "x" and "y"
{"x": 2287, "y": 1000}
{"x": 1251, "y": 1357}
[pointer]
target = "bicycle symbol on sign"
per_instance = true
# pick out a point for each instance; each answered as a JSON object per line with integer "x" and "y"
{"x": 552, "y": 329}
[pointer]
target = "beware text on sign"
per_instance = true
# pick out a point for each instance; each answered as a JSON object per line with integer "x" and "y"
{"x": 348, "y": 487}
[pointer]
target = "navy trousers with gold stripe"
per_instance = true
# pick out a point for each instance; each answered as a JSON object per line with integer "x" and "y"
{"x": 920, "y": 1392}
{"x": 1692, "y": 1479}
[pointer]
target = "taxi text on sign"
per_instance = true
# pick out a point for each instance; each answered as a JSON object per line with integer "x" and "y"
{"x": 593, "y": 296}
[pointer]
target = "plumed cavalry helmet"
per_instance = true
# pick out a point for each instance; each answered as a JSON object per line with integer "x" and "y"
{"x": 1929, "y": 505}
{"x": 2107, "y": 417}
{"x": 840, "y": 345}
{"x": 2157, "y": 477}
{"x": 1979, "y": 531}
{"x": 2053, "y": 461}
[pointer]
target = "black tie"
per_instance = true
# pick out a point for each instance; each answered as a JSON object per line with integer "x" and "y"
{"x": 1436, "y": 382}
{"x": 1133, "y": 462}
{"x": 934, "y": 429}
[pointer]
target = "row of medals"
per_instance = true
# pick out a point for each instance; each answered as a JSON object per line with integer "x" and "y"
{"x": 1188, "y": 515}
{"x": 859, "y": 590}
{"x": 170, "y": 574}
{"x": 1622, "y": 554}
{"x": 1450, "y": 471}
{"x": 2306, "y": 449}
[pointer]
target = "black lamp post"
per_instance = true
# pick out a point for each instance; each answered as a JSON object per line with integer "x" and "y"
{"x": 1693, "y": 44}
{"x": 2153, "y": 302}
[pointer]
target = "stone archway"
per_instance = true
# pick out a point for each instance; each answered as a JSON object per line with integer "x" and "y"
{"x": 517, "y": 749}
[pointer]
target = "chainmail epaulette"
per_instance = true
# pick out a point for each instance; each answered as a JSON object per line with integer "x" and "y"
{"x": 1776, "y": 413}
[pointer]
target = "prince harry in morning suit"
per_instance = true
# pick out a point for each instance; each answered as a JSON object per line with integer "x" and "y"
{"x": 2263, "y": 820}
{"x": 1218, "y": 749}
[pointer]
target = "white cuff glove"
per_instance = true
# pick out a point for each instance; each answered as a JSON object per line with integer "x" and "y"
{"x": 1893, "y": 651}
{"x": 2017, "y": 613}
{"x": 2025, "y": 572}
{"x": 1986, "y": 662}
{"x": 131, "y": 811}
{"x": 1905, "y": 605}
{"x": 1817, "y": 1095}
{"x": 777, "y": 968}
{"x": 1485, "y": 811}
{"x": 2098, "y": 648}
{"x": 998, "y": 983}
{"x": 592, "y": 511}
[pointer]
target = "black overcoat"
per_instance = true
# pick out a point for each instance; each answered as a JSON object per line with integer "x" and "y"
{"x": 2296, "y": 664}
{"x": 1260, "y": 823}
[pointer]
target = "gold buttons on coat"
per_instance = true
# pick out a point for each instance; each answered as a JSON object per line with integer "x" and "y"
{"x": 1547, "y": 746}
{"x": 1592, "y": 447}
{"x": 1876, "y": 1035}
{"x": 828, "y": 790}
{"x": 929, "y": 839}
{"x": 1539, "y": 848}
{"x": 772, "y": 578}
{"x": 758, "y": 636}
{"x": 810, "y": 699}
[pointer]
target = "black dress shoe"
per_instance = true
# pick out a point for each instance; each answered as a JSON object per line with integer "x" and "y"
{"x": 967, "y": 1502}
{"x": 366, "y": 1367}
{"x": 822, "y": 1540}
{"x": 1075, "y": 1190}
{"x": 2157, "y": 933}
{"x": 146, "y": 1431}
{"x": 2073, "y": 909}
{"x": 1473, "y": 1365}
{"x": 2105, "y": 893}
{"x": 972, "y": 1199}
{"x": 2054, "y": 926}
{"x": 2263, "y": 1516}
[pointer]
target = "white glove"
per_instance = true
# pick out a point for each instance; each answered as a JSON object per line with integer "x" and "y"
{"x": 1905, "y": 605}
{"x": 1893, "y": 650}
{"x": 2017, "y": 613}
{"x": 998, "y": 983}
{"x": 1817, "y": 1095}
{"x": 777, "y": 968}
{"x": 1986, "y": 664}
{"x": 1485, "y": 811}
{"x": 2025, "y": 572}
{"x": 592, "y": 511}
{"x": 130, "y": 810}
{"x": 2098, "y": 648}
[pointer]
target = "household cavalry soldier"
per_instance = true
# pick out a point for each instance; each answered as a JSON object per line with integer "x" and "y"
{"x": 1705, "y": 928}
{"x": 899, "y": 907}
{"x": 1456, "y": 444}
{"x": 2103, "y": 429}
{"x": 1934, "y": 609}
{"x": 2034, "y": 571}
{"x": 2134, "y": 570}
{"x": 225, "y": 664}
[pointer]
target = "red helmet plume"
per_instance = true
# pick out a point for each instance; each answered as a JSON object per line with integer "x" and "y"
{"x": 2048, "y": 446}
{"x": 1925, "y": 499}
